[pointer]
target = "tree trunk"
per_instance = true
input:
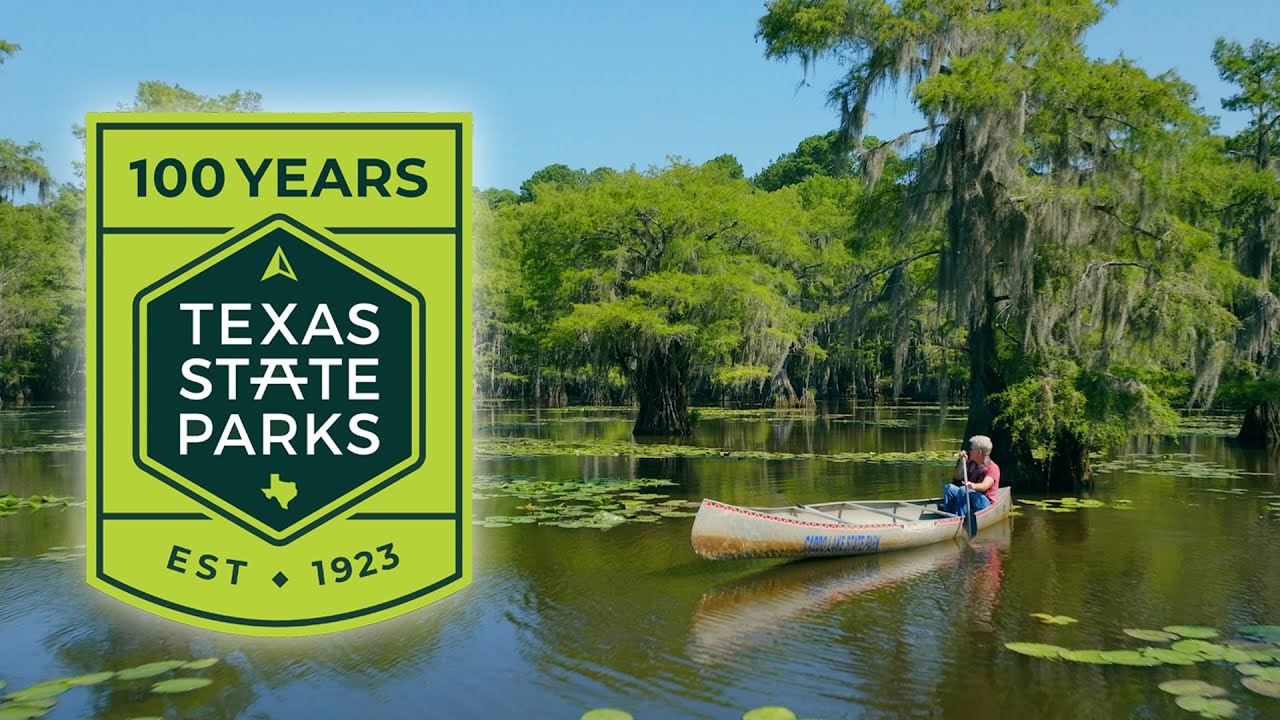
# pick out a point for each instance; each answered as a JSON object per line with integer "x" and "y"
{"x": 1261, "y": 426}
{"x": 663, "y": 395}
{"x": 781, "y": 392}
{"x": 985, "y": 380}
{"x": 1069, "y": 466}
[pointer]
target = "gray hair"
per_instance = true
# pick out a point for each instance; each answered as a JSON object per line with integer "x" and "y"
{"x": 980, "y": 442}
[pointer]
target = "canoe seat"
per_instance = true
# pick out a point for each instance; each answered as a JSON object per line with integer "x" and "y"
{"x": 909, "y": 511}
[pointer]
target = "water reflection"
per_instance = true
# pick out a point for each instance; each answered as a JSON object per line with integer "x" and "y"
{"x": 750, "y": 611}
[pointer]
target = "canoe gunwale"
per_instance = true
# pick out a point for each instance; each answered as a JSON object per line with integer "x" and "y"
{"x": 1002, "y": 497}
{"x": 717, "y": 505}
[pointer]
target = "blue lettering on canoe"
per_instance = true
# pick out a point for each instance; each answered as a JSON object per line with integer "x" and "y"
{"x": 842, "y": 543}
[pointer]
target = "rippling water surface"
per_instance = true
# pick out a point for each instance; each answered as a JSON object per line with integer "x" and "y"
{"x": 561, "y": 620}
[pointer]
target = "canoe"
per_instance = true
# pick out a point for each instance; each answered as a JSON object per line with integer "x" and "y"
{"x": 722, "y": 531}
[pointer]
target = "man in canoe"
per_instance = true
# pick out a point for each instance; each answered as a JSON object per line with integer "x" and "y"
{"x": 977, "y": 474}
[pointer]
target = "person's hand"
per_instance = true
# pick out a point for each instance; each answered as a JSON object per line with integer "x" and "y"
{"x": 962, "y": 455}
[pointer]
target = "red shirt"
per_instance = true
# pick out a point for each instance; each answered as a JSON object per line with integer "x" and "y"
{"x": 990, "y": 470}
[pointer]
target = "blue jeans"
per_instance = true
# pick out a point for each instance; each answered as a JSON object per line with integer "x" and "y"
{"x": 954, "y": 503}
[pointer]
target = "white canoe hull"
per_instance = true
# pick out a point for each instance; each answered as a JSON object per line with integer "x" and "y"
{"x": 722, "y": 531}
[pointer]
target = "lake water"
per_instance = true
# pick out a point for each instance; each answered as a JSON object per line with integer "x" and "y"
{"x": 558, "y": 620}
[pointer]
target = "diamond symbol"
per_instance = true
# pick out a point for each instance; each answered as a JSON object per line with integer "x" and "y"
{"x": 280, "y": 579}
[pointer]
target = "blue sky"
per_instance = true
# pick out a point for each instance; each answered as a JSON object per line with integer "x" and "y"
{"x": 583, "y": 83}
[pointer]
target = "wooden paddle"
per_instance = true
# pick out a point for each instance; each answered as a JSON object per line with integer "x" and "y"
{"x": 970, "y": 520}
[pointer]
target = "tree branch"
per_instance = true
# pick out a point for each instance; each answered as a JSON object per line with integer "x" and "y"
{"x": 1112, "y": 263}
{"x": 723, "y": 228}
{"x": 867, "y": 277}
{"x": 1106, "y": 210}
{"x": 1082, "y": 112}
{"x": 894, "y": 141}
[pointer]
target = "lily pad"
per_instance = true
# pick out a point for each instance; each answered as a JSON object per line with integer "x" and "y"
{"x": 1211, "y": 651}
{"x": 1198, "y": 688}
{"x": 1130, "y": 657}
{"x": 150, "y": 669}
{"x": 1171, "y": 657}
{"x": 1037, "y": 650}
{"x": 607, "y": 519}
{"x": 180, "y": 685}
{"x": 1208, "y": 707}
{"x": 1048, "y": 619}
{"x": 771, "y": 712}
{"x": 1150, "y": 635}
{"x": 200, "y": 664}
{"x": 1198, "y": 647}
{"x": 1198, "y": 632}
{"x": 1270, "y": 674}
{"x": 1266, "y": 688}
{"x": 507, "y": 520}
{"x": 92, "y": 679}
{"x": 43, "y": 704}
{"x": 1092, "y": 657}
{"x": 607, "y": 714}
{"x": 1233, "y": 655}
{"x": 40, "y": 691}
{"x": 22, "y": 712}
{"x": 599, "y": 503}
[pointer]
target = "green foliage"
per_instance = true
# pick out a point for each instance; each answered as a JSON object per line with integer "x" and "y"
{"x": 1074, "y": 206}
{"x": 736, "y": 376}
{"x": 155, "y": 96}
{"x": 41, "y": 300}
{"x": 21, "y": 168}
{"x": 496, "y": 198}
{"x": 1100, "y": 410}
{"x": 1252, "y": 221}
{"x": 7, "y": 49}
{"x": 556, "y": 176}
{"x": 1255, "y": 71}
{"x": 727, "y": 164}
{"x": 681, "y": 271}
{"x": 815, "y": 156}
{"x": 1239, "y": 391}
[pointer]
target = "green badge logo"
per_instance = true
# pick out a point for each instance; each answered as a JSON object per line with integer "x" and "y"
{"x": 279, "y": 312}
{"x": 304, "y": 374}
